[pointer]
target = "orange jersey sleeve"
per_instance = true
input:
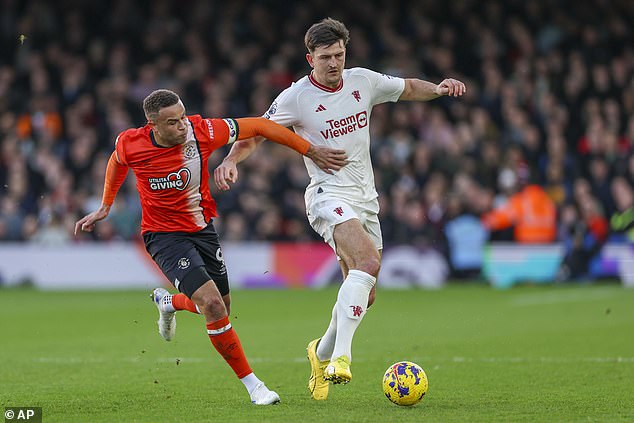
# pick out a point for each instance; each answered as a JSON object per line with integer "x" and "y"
{"x": 251, "y": 127}
{"x": 115, "y": 175}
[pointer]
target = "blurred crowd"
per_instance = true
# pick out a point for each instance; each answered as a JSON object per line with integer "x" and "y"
{"x": 549, "y": 105}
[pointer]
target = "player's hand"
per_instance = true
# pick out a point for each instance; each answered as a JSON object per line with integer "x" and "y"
{"x": 225, "y": 173}
{"x": 451, "y": 87}
{"x": 87, "y": 223}
{"x": 328, "y": 159}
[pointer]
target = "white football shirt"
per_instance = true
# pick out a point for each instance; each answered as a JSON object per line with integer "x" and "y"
{"x": 338, "y": 118}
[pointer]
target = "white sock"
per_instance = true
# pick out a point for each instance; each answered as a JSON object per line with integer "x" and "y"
{"x": 250, "y": 382}
{"x": 327, "y": 342}
{"x": 352, "y": 302}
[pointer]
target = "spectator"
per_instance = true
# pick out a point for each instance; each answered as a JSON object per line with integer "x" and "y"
{"x": 466, "y": 237}
{"x": 53, "y": 234}
{"x": 529, "y": 211}
{"x": 622, "y": 221}
{"x": 583, "y": 233}
{"x": 563, "y": 93}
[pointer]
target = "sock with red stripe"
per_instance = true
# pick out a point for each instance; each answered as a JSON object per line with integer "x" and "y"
{"x": 227, "y": 343}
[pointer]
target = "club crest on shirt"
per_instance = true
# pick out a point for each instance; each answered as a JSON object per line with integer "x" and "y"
{"x": 176, "y": 180}
{"x": 189, "y": 151}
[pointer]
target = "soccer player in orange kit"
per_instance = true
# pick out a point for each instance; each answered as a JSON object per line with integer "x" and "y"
{"x": 169, "y": 158}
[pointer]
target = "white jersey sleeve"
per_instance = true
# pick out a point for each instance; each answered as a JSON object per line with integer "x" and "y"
{"x": 284, "y": 109}
{"x": 384, "y": 87}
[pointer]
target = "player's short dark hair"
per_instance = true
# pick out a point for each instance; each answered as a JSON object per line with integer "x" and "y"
{"x": 326, "y": 32}
{"x": 157, "y": 100}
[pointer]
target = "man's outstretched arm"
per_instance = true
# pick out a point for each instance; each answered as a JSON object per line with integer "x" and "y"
{"x": 419, "y": 90}
{"x": 254, "y": 130}
{"x": 115, "y": 175}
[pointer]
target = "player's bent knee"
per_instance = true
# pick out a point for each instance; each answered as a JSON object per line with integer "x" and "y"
{"x": 370, "y": 265}
{"x": 211, "y": 305}
{"x": 209, "y": 301}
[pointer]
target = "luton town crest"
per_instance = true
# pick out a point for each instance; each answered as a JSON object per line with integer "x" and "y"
{"x": 189, "y": 151}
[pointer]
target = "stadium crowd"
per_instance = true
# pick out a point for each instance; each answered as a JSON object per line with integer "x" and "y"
{"x": 550, "y": 101}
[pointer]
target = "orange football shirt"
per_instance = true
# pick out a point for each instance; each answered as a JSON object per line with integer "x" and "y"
{"x": 173, "y": 182}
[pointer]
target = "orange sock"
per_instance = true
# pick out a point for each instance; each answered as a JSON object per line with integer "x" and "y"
{"x": 181, "y": 302}
{"x": 227, "y": 343}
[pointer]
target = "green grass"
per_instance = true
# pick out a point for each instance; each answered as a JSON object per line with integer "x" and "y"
{"x": 527, "y": 354}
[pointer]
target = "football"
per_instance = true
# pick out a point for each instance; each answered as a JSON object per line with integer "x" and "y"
{"x": 405, "y": 383}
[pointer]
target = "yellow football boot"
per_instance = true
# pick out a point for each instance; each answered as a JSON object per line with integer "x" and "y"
{"x": 317, "y": 385}
{"x": 338, "y": 371}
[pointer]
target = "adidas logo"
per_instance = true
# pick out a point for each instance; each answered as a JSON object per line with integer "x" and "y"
{"x": 321, "y": 108}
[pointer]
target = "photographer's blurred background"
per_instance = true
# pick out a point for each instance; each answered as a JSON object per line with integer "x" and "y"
{"x": 548, "y": 116}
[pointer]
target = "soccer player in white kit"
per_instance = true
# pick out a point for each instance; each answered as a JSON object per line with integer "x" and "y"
{"x": 331, "y": 107}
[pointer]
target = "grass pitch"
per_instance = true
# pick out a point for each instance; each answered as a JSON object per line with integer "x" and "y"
{"x": 563, "y": 353}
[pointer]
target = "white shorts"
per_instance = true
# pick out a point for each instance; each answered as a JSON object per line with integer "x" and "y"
{"x": 325, "y": 215}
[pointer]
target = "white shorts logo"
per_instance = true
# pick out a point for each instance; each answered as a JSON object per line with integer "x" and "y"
{"x": 223, "y": 267}
{"x": 183, "y": 263}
